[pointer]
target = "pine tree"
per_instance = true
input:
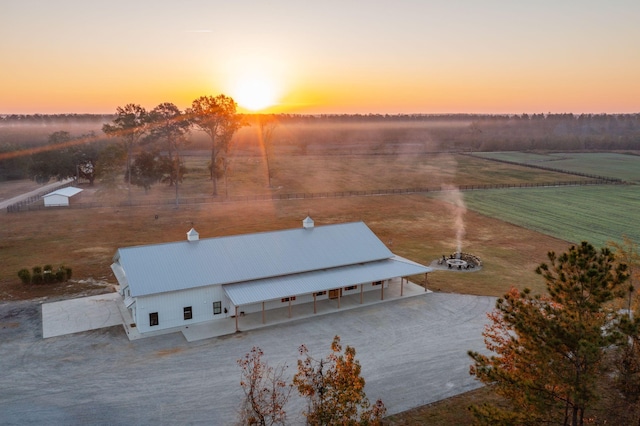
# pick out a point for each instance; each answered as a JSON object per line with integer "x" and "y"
{"x": 547, "y": 350}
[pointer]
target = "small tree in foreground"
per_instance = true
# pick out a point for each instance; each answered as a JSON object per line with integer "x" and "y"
{"x": 334, "y": 389}
{"x": 266, "y": 392}
{"x": 548, "y": 350}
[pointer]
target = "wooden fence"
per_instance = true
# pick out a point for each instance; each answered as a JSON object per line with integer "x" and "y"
{"x": 549, "y": 169}
{"x": 25, "y": 206}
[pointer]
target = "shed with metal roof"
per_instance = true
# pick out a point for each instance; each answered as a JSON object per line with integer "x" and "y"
{"x": 60, "y": 197}
{"x": 174, "y": 284}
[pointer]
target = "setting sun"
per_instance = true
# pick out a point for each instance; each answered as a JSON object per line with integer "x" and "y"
{"x": 255, "y": 93}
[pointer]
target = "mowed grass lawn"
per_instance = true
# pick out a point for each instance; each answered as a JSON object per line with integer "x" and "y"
{"x": 597, "y": 214}
{"x": 608, "y": 164}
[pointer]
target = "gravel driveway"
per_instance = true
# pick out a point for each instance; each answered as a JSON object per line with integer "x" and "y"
{"x": 412, "y": 351}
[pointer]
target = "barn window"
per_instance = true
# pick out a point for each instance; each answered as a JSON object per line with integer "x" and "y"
{"x": 217, "y": 308}
{"x": 188, "y": 313}
{"x": 351, "y": 287}
{"x": 287, "y": 299}
{"x": 153, "y": 319}
{"x": 321, "y": 293}
{"x": 376, "y": 283}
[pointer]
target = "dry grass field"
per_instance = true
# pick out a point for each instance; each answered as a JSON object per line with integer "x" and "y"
{"x": 415, "y": 226}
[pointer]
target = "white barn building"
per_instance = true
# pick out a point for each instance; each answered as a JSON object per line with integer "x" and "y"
{"x": 60, "y": 197}
{"x": 196, "y": 280}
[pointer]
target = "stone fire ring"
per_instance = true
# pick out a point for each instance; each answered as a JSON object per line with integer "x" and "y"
{"x": 457, "y": 263}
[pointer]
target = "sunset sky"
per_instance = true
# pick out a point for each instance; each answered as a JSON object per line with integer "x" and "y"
{"x": 422, "y": 56}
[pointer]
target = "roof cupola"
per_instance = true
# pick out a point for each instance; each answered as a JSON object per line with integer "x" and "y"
{"x": 307, "y": 223}
{"x": 193, "y": 235}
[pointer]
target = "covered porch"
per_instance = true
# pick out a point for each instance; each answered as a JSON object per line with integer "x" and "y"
{"x": 395, "y": 288}
{"x": 256, "y": 320}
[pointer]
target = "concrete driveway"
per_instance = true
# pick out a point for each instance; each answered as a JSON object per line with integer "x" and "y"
{"x": 82, "y": 314}
{"x": 413, "y": 351}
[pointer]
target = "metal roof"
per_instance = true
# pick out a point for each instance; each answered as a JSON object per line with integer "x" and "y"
{"x": 181, "y": 265}
{"x": 69, "y": 191}
{"x": 321, "y": 280}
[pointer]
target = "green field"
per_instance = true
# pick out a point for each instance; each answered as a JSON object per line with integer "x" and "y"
{"x": 608, "y": 164}
{"x": 593, "y": 213}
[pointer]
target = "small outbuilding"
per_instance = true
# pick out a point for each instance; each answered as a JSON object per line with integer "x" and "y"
{"x": 180, "y": 283}
{"x": 60, "y": 197}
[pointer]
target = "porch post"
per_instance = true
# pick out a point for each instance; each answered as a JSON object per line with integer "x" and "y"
{"x": 361, "y": 292}
{"x": 289, "y": 306}
{"x": 314, "y": 302}
{"x": 263, "y": 312}
{"x": 426, "y": 280}
{"x": 401, "y": 286}
{"x": 382, "y": 290}
{"x": 339, "y": 294}
{"x": 237, "y": 318}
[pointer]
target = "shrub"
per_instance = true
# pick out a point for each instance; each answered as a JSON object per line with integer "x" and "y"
{"x": 37, "y": 278}
{"x": 25, "y": 276}
{"x": 45, "y": 274}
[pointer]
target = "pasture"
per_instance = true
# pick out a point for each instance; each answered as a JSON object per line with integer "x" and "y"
{"x": 597, "y": 214}
{"x": 608, "y": 164}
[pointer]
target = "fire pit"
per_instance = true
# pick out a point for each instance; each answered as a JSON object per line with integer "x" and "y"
{"x": 457, "y": 263}
{"x": 460, "y": 261}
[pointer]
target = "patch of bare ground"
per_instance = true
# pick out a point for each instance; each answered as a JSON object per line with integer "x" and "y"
{"x": 15, "y": 290}
{"x": 165, "y": 352}
{"x": 11, "y": 189}
{"x": 450, "y": 411}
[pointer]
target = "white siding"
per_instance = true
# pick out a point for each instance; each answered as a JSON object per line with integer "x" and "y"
{"x": 56, "y": 200}
{"x": 60, "y": 197}
{"x": 306, "y": 298}
{"x": 170, "y": 307}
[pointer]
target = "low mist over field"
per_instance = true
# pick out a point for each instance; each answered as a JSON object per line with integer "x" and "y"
{"x": 358, "y": 132}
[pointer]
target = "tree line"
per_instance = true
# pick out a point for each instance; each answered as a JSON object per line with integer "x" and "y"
{"x": 23, "y": 135}
{"x": 148, "y": 145}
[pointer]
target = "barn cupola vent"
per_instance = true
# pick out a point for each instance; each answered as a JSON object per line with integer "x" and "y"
{"x": 307, "y": 223}
{"x": 193, "y": 235}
